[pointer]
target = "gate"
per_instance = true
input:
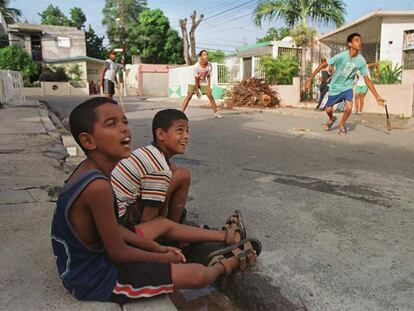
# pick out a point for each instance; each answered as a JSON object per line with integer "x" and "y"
{"x": 11, "y": 88}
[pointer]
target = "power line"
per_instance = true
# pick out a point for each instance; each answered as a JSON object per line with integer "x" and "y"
{"x": 218, "y": 44}
{"x": 231, "y": 9}
{"x": 214, "y": 7}
{"x": 237, "y": 17}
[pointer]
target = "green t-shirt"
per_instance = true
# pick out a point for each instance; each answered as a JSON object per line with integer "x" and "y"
{"x": 345, "y": 70}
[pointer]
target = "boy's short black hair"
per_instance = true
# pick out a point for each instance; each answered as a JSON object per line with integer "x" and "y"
{"x": 164, "y": 119}
{"x": 352, "y": 36}
{"x": 83, "y": 117}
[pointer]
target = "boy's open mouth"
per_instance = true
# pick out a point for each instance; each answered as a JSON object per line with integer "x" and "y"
{"x": 126, "y": 141}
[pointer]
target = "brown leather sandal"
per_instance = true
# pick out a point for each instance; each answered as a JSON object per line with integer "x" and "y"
{"x": 234, "y": 224}
{"x": 246, "y": 252}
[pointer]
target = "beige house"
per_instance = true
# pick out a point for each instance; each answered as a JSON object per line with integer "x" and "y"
{"x": 56, "y": 45}
{"x": 386, "y": 35}
{"x": 91, "y": 67}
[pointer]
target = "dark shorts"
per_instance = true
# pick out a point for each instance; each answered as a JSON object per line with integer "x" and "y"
{"x": 141, "y": 280}
{"x": 108, "y": 87}
{"x": 334, "y": 99}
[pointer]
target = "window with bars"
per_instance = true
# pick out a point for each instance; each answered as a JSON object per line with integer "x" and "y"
{"x": 409, "y": 59}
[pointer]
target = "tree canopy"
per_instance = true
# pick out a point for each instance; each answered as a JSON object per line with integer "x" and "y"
{"x": 10, "y": 14}
{"x": 52, "y": 15}
{"x": 155, "y": 40}
{"x": 275, "y": 34}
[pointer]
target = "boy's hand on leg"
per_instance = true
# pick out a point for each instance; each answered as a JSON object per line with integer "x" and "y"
{"x": 175, "y": 257}
{"x": 166, "y": 249}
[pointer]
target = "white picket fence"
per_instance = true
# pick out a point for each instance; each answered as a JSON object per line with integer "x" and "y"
{"x": 11, "y": 88}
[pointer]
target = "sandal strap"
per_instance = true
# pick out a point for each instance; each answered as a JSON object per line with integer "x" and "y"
{"x": 241, "y": 257}
{"x": 250, "y": 253}
{"x": 224, "y": 261}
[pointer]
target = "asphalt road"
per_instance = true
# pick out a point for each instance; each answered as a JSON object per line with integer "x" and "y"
{"x": 334, "y": 213}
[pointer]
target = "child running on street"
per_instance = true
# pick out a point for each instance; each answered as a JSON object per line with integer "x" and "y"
{"x": 97, "y": 259}
{"x": 202, "y": 75}
{"x": 345, "y": 66}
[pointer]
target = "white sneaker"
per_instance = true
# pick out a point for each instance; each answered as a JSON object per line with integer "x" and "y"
{"x": 218, "y": 116}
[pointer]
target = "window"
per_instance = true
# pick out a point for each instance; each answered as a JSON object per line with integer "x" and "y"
{"x": 36, "y": 48}
{"x": 93, "y": 71}
{"x": 408, "y": 53}
{"x": 63, "y": 42}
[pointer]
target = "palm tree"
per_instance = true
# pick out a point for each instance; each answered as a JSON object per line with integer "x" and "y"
{"x": 297, "y": 14}
{"x": 10, "y": 14}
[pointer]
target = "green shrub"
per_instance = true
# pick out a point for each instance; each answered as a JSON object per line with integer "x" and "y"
{"x": 280, "y": 70}
{"x": 54, "y": 74}
{"x": 31, "y": 84}
{"x": 388, "y": 74}
{"x": 16, "y": 58}
{"x": 75, "y": 72}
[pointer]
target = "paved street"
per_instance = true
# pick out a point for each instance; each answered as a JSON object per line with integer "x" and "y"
{"x": 334, "y": 213}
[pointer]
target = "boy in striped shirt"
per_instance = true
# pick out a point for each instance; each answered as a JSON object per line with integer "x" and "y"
{"x": 146, "y": 185}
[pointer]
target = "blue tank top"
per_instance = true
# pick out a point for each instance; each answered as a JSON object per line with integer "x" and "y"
{"x": 88, "y": 274}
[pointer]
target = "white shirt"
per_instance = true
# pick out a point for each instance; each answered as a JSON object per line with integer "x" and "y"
{"x": 203, "y": 73}
{"x": 111, "y": 70}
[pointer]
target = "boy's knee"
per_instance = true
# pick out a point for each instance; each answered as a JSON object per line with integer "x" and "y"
{"x": 182, "y": 175}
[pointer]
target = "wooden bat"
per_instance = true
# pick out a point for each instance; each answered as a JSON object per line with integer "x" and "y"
{"x": 121, "y": 97}
{"x": 388, "y": 119}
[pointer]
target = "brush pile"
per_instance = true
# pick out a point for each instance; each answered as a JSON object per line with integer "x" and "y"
{"x": 251, "y": 93}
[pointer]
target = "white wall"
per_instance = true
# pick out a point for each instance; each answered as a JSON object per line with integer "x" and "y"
{"x": 393, "y": 30}
{"x": 154, "y": 83}
{"x": 183, "y": 76}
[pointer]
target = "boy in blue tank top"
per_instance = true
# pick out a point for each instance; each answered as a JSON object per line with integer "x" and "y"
{"x": 345, "y": 67}
{"x": 98, "y": 259}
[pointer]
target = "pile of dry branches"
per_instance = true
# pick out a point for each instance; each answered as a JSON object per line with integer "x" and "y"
{"x": 251, "y": 93}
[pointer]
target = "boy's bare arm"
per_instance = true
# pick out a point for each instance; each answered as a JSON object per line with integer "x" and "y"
{"x": 99, "y": 199}
{"x": 314, "y": 73}
{"x": 142, "y": 242}
{"x": 376, "y": 66}
{"x": 370, "y": 85}
{"x": 103, "y": 74}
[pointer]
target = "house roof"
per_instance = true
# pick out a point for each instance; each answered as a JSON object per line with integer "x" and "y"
{"x": 254, "y": 46}
{"x": 366, "y": 18}
{"x": 73, "y": 59}
{"x": 38, "y": 28}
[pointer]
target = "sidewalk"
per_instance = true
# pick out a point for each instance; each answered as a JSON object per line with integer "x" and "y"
{"x": 32, "y": 169}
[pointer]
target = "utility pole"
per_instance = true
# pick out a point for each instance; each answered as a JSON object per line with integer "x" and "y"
{"x": 123, "y": 44}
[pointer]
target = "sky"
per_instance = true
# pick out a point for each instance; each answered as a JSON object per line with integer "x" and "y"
{"x": 227, "y": 24}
